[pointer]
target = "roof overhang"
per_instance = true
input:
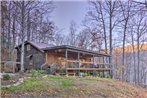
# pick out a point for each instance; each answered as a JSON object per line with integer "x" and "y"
{"x": 76, "y": 49}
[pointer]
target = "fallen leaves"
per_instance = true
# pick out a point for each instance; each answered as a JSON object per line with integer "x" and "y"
{"x": 81, "y": 88}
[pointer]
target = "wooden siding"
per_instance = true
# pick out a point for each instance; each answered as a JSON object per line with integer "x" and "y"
{"x": 38, "y": 57}
{"x": 59, "y": 56}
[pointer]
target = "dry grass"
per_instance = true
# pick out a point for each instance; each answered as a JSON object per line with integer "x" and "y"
{"x": 74, "y": 87}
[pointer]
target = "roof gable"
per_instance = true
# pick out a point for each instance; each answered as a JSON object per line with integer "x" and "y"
{"x": 39, "y": 46}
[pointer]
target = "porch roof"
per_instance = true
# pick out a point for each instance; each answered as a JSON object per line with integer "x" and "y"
{"x": 76, "y": 49}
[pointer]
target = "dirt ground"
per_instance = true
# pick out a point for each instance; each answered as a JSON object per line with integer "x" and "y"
{"x": 80, "y": 87}
{"x": 14, "y": 77}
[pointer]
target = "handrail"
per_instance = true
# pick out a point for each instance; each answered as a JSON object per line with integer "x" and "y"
{"x": 10, "y": 62}
{"x": 99, "y": 63}
{"x": 72, "y": 61}
{"x": 86, "y": 62}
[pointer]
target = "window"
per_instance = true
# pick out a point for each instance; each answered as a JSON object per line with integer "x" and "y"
{"x": 31, "y": 60}
{"x": 28, "y": 47}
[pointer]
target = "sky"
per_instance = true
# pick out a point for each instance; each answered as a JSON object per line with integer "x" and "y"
{"x": 66, "y": 11}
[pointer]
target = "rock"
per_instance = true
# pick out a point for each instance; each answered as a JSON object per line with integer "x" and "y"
{"x": 44, "y": 76}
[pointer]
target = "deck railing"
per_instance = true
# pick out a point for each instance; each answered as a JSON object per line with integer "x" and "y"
{"x": 86, "y": 65}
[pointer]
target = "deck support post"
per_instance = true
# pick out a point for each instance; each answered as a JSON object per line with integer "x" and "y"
{"x": 66, "y": 56}
{"x": 93, "y": 64}
{"x": 110, "y": 71}
{"x": 103, "y": 66}
{"x": 93, "y": 60}
{"x": 79, "y": 61}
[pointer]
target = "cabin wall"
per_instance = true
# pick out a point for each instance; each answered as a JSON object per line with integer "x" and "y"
{"x": 33, "y": 58}
{"x": 51, "y": 57}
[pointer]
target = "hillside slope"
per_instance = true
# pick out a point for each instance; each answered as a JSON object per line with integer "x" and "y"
{"x": 74, "y": 87}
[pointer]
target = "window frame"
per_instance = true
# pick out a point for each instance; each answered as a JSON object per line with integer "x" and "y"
{"x": 28, "y": 47}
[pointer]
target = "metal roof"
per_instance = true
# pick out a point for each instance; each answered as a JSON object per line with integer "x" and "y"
{"x": 41, "y": 45}
{"x": 44, "y": 47}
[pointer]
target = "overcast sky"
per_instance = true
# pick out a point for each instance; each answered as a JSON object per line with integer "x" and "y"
{"x": 66, "y": 11}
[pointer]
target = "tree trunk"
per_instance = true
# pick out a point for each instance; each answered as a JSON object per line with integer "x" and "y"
{"x": 28, "y": 26}
{"x": 9, "y": 31}
{"x": 110, "y": 31}
{"x": 124, "y": 40}
{"x": 134, "y": 61}
{"x": 13, "y": 31}
{"x": 138, "y": 59}
{"x": 23, "y": 36}
{"x": 22, "y": 56}
{"x": 105, "y": 35}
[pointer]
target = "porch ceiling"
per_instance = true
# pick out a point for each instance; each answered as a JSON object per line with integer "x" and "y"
{"x": 73, "y": 54}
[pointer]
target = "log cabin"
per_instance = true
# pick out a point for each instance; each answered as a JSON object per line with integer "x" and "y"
{"x": 70, "y": 58}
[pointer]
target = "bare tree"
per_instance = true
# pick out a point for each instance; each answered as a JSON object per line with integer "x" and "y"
{"x": 46, "y": 32}
{"x": 72, "y": 33}
{"x": 137, "y": 29}
{"x": 84, "y": 39}
{"x": 18, "y": 22}
{"x": 106, "y": 15}
{"x": 103, "y": 12}
{"x": 96, "y": 39}
{"x": 59, "y": 39}
{"x": 131, "y": 30}
{"x": 143, "y": 3}
{"x": 98, "y": 15}
{"x": 126, "y": 8}
{"x": 141, "y": 29}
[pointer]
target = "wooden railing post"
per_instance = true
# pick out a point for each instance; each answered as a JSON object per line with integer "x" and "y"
{"x": 66, "y": 56}
{"x": 110, "y": 66}
{"x": 93, "y": 60}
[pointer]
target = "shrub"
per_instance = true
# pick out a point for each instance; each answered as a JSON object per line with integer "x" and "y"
{"x": 36, "y": 73}
{"x": 55, "y": 77}
{"x": 108, "y": 76}
{"x": 95, "y": 73}
{"x": 86, "y": 74}
{"x": 61, "y": 71}
{"x": 42, "y": 71}
{"x": 25, "y": 86}
{"x": 66, "y": 83}
{"x": 100, "y": 75}
{"x": 6, "y": 77}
